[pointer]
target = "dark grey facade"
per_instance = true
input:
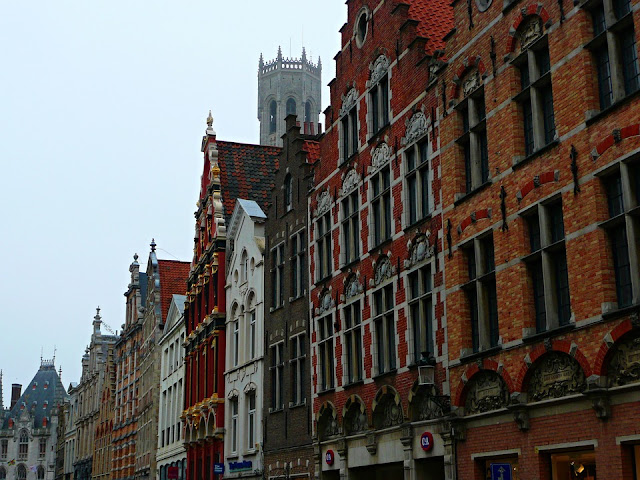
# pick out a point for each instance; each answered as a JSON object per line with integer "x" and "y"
{"x": 288, "y": 449}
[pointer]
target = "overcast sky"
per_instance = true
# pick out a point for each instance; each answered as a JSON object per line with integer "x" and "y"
{"x": 102, "y": 110}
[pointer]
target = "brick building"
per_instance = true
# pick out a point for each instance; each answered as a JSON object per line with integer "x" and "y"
{"x": 230, "y": 171}
{"x": 287, "y": 441}
{"x": 539, "y": 151}
{"x": 127, "y": 365}
{"x": 102, "y": 448}
{"x": 375, "y": 243}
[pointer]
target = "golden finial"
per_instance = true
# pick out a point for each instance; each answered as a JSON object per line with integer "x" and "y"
{"x": 210, "y": 119}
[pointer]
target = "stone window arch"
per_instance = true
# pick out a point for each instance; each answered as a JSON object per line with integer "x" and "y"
{"x": 21, "y": 472}
{"x": 327, "y": 421}
{"x": 291, "y": 106}
{"x": 485, "y": 391}
{"x": 386, "y": 408}
{"x": 307, "y": 111}
{"x": 554, "y": 375}
{"x": 379, "y": 94}
{"x": 354, "y": 416}
{"x": 426, "y": 404}
{"x": 623, "y": 367}
{"x": 40, "y": 473}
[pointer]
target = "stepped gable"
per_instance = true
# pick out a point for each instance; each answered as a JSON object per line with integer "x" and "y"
{"x": 173, "y": 278}
{"x": 246, "y": 171}
{"x": 436, "y": 21}
{"x": 46, "y": 390}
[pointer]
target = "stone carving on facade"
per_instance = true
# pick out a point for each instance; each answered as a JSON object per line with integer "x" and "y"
{"x": 471, "y": 83}
{"x": 483, "y": 5}
{"x": 426, "y": 406}
{"x": 388, "y": 413}
{"x": 326, "y": 303}
{"x": 487, "y": 391}
{"x": 416, "y": 128}
{"x": 355, "y": 420}
{"x": 353, "y": 287}
{"x": 380, "y": 156}
{"x": 350, "y": 182}
{"x": 324, "y": 203}
{"x": 328, "y": 423}
{"x": 383, "y": 272}
{"x": 530, "y": 32}
{"x": 555, "y": 376}
{"x": 349, "y": 101}
{"x": 624, "y": 367}
{"x": 419, "y": 251}
{"x": 378, "y": 69}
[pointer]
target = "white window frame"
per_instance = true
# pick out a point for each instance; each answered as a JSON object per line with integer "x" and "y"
{"x": 326, "y": 353}
{"x": 422, "y": 147}
{"x": 352, "y": 339}
{"x": 382, "y": 332}
{"x": 424, "y": 302}
{"x": 350, "y": 250}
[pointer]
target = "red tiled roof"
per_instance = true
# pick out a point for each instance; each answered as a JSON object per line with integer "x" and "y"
{"x": 173, "y": 280}
{"x": 436, "y": 20}
{"x": 313, "y": 150}
{"x": 246, "y": 171}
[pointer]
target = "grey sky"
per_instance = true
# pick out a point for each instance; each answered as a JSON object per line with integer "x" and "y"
{"x": 102, "y": 108}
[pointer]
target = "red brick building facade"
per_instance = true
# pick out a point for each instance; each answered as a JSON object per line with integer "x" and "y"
{"x": 539, "y": 149}
{"x": 376, "y": 275}
{"x": 231, "y": 171}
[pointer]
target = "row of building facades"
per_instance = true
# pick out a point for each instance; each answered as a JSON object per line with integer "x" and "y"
{"x": 445, "y": 284}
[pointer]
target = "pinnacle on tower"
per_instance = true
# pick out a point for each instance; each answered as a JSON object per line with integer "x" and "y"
{"x": 210, "y": 130}
{"x": 153, "y": 241}
{"x": 1, "y": 393}
{"x": 279, "y": 54}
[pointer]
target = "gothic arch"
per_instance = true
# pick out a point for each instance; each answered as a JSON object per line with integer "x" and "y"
{"x": 387, "y": 408}
{"x": 327, "y": 421}
{"x": 3, "y": 473}
{"x": 425, "y": 403}
{"x": 354, "y": 416}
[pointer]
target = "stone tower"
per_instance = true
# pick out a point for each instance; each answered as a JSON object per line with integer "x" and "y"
{"x": 288, "y": 85}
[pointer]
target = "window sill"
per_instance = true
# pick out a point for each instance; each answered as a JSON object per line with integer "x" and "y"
{"x": 536, "y": 337}
{"x": 594, "y": 117}
{"x": 419, "y": 222}
{"x": 621, "y": 312}
{"x": 517, "y": 163}
{"x": 295, "y": 299}
{"x": 481, "y": 354}
{"x": 275, "y": 309}
{"x": 465, "y": 196}
{"x": 382, "y": 375}
{"x": 293, "y": 406}
{"x": 381, "y": 244}
{"x": 328, "y": 390}
{"x": 324, "y": 279}
{"x": 276, "y": 410}
{"x": 354, "y": 384}
{"x": 347, "y": 266}
{"x": 379, "y": 133}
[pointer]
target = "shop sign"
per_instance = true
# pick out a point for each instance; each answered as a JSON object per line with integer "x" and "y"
{"x": 426, "y": 441}
{"x": 329, "y": 457}
{"x": 240, "y": 466}
{"x": 218, "y": 468}
{"x": 172, "y": 473}
{"x": 501, "y": 471}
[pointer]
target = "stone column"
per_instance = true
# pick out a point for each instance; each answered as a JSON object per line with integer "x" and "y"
{"x": 342, "y": 450}
{"x": 409, "y": 462}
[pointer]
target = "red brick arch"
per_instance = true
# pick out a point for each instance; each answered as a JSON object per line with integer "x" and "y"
{"x": 556, "y": 346}
{"x": 531, "y": 9}
{"x": 600, "y": 367}
{"x": 467, "y": 64}
{"x": 473, "y": 369}
{"x": 617, "y": 136}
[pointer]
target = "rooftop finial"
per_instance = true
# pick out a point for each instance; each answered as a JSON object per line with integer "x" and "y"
{"x": 60, "y": 372}
{"x": 135, "y": 257}
{"x": 97, "y": 317}
{"x": 210, "y": 120}
{"x": 261, "y": 60}
{"x": 279, "y": 53}
{"x": 153, "y": 245}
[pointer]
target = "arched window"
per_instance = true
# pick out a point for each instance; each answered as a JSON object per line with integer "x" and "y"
{"x": 288, "y": 193}
{"x": 291, "y": 106}
{"x": 244, "y": 266}
{"x": 307, "y": 112}
{"x": 23, "y": 446}
{"x": 251, "y": 325}
{"x": 3, "y": 473}
{"x": 22, "y": 472}
{"x": 40, "y": 472}
{"x": 273, "y": 114}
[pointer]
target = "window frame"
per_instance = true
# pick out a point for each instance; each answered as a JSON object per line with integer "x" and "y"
{"x": 385, "y": 328}
{"x": 298, "y": 373}
{"x": 277, "y": 276}
{"x": 288, "y": 193}
{"x": 277, "y": 376}
{"x": 379, "y": 107}
{"x": 350, "y": 227}
{"x": 422, "y": 298}
{"x": 324, "y": 252}
{"x": 417, "y": 170}
{"x": 234, "y": 424}
{"x": 349, "y": 131}
{"x": 298, "y": 257}
{"x": 382, "y": 220}
{"x": 251, "y": 421}
{"x": 326, "y": 353}
{"x": 353, "y": 342}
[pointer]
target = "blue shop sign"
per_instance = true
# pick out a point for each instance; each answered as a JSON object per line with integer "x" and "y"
{"x": 218, "y": 468}
{"x": 240, "y": 466}
{"x": 501, "y": 471}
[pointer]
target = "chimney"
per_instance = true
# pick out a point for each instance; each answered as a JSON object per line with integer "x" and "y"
{"x": 16, "y": 391}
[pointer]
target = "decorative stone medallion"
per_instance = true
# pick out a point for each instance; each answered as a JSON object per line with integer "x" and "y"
{"x": 487, "y": 392}
{"x": 471, "y": 83}
{"x": 350, "y": 182}
{"x": 324, "y": 203}
{"x": 420, "y": 250}
{"x": 380, "y": 156}
{"x": 555, "y": 376}
{"x": 416, "y": 128}
{"x": 383, "y": 271}
{"x": 326, "y": 303}
{"x": 483, "y": 5}
{"x": 352, "y": 287}
{"x": 530, "y": 32}
{"x": 624, "y": 367}
{"x": 349, "y": 101}
{"x": 379, "y": 69}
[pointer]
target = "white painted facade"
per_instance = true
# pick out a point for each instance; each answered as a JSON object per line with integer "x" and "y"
{"x": 171, "y": 451}
{"x": 245, "y": 346}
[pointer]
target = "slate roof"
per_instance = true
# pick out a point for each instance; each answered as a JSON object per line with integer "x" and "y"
{"x": 246, "y": 171}
{"x": 41, "y": 397}
{"x": 173, "y": 279}
{"x": 436, "y": 20}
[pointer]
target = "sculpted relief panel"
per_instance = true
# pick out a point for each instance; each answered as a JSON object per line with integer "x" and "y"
{"x": 555, "y": 376}
{"x": 624, "y": 367}
{"x": 487, "y": 392}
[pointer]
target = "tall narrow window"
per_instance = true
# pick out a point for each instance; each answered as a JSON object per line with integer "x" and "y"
{"x": 481, "y": 293}
{"x": 252, "y": 333}
{"x": 420, "y": 308}
{"x": 244, "y": 266}
{"x": 4, "y": 447}
{"x": 298, "y": 251}
{"x": 288, "y": 193}
{"x": 251, "y": 420}
{"x": 614, "y": 50}
{"x": 273, "y": 116}
{"x": 277, "y": 373}
{"x": 325, "y": 352}
{"x": 535, "y": 97}
{"x": 291, "y": 107}
{"x": 474, "y": 135}
{"x": 379, "y": 102}
{"x": 23, "y": 445}
{"x": 307, "y": 112}
{"x": 351, "y": 228}
{"x": 277, "y": 276}
{"x": 323, "y": 245}
{"x": 418, "y": 182}
{"x": 234, "y": 425}
{"x": 349, "y": 132}
{"x": 353, "y": 341}
{"x": 547, "y": 266}
{"x": 22, "y": 472}
{"x": 298, "y": 372}
{"x": 40, "y": 472}
{"x": 236, "y": 341}
{"x": 381, "y": 205}
{"x": 385, "y": 328}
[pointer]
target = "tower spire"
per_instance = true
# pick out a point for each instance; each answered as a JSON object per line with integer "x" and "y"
{"x": 1, "y": 393}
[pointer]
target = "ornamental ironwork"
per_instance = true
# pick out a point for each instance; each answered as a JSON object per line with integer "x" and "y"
{"x": 624, "y": 367}
{"x": 487, "y": 391}
{"x": 426, "y": 405}
{"x": 556, "y": 375}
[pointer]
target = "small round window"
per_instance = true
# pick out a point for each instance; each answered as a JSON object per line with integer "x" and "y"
{"x": 361, "y": 27}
